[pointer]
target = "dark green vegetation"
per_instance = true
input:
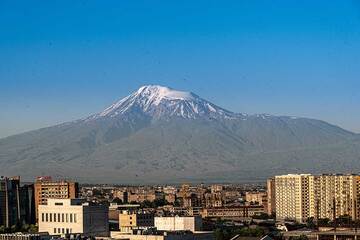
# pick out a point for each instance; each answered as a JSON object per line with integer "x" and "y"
{"x": 19, "y": 228}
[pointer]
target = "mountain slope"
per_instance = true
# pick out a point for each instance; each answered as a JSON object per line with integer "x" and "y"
{"x": 158, "y": 134}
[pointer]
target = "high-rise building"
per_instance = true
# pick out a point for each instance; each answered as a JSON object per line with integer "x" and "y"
{"x": 65, "y": 216}
{"x": 46, "y": 188}
{"x": 16, "y": 202}
{"x": 300, "y": 196}
{"x": 336, "y": 195}
{"x": 292, "y": 197}
{"x": 270, "y": 196}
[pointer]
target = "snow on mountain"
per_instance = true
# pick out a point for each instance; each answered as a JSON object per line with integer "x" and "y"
{"x": 164, "y": 102}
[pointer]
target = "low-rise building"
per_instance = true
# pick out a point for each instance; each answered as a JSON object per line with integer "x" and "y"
{"x": 65, "y": 216}
{"x": 240, "y": 212}
{"x": 135, "y": 220}
{"x": 177, "y": 223}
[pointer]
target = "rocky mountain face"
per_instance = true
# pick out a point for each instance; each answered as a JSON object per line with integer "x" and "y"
{"x": 158, "y": 135}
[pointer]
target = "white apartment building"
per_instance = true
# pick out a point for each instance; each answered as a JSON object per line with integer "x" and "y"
{"x": 177, "y": 223}
{"x": 67, "y": 216}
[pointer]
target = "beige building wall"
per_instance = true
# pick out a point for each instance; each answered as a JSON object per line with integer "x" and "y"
{"x": 178, "y": 223}
{"x": 65, "y": 216}
{"x": 292, "y": 197}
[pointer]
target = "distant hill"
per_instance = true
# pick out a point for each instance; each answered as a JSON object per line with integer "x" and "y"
{"x": 158, "y": 135}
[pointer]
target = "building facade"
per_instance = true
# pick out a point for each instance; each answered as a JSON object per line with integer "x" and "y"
{"x": 67, "y": 216}
{"x": 46, "y": 188}
{"x": 270, "y": 188}
{"x": 16, "y": 202}
{"x": 301, "y": 196}
{"x": 135, "y": 220}
{"x": 176, "y": 223}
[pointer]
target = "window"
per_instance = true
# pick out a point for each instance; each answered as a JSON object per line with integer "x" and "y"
{"x": 59, "y": 230}
{"x": 58, "y": 203}
{"x": 62, "y": 217}
{"x": 50, "y": 217}
{"x": 67, "y": 231}
{"x": 71, "y": 217}
{"x": 74, "y": 217}
{"x": 42, "y": 217}
{"x": 58, "y": 217}
{"x": 67, "y": 215}
{"x": 54, "y": 217}
{"x": 54, "y": 230}
{"x": 63, "y": 230}
{"x": 46, "y": 217}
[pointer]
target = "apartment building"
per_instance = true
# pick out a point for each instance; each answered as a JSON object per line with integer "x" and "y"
{"x": 232, "y": 213}
{"x": 292, "y": 197}
{"x": 300, "y": 196}
{"x": 46, "y": 188}
{"x": 66, "y": 216}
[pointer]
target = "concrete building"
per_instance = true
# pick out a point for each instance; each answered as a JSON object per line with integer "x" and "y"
{"x": 255, "y": 197}
{"x": 336, "y": 195}
{"x": 271, "y": 204}
{"x": 65, "y": 216}
{"x": 292, "y": 197}
{"x": 46, "y": 188}
{"x": 176, "y": 223}
{"x": 135, "y": 220}
{"x": 16, "y": 202}
{"x": 232, "y": 213}
{"x": 300, "y": 196}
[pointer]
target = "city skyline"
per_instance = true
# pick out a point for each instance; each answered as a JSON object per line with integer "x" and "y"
{"x": 65, "y": 61}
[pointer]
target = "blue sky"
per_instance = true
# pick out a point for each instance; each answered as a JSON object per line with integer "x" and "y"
{"x": 63, "y": 60}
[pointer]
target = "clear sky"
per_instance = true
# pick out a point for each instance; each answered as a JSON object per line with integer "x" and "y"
{"x": 63, "y": 60}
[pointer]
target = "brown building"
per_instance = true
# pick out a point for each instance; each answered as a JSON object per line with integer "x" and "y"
{"x": 271, "y": 196}
{"x": 46, "y": 188}
{"x": 240, "y": 212}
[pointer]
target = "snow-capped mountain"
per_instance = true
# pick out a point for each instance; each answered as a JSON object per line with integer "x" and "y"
{"x": 158, "y": 134}
{"x": 163, "y": 102}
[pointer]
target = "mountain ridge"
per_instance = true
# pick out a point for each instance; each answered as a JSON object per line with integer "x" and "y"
{"x": 158, "y": 134}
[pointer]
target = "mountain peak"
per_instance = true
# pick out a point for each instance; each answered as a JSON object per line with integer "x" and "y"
{"x": 164, "y": 102}
{"x": 156, "y": 93}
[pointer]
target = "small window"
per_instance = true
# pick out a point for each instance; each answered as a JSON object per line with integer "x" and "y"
{"x": 46, "y": 217}
{"x": 62, "y": 217}
{"x": 58, "y": 203}
{"x": 74, "y": 217}
{"x": 71, "y": 217}
{"x": 54, "y": 217}
{"x": 42, "y": 217}
{"x": 54, "y": 230}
